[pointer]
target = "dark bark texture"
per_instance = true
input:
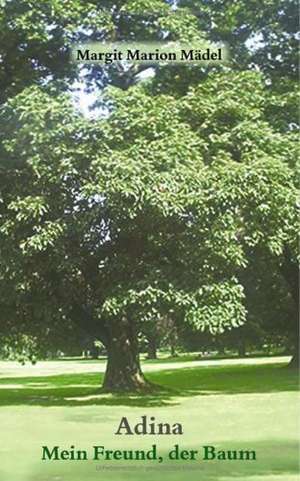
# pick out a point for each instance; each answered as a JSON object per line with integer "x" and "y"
{"x": 152, "y": 347}
{"x": 123, "y": 370}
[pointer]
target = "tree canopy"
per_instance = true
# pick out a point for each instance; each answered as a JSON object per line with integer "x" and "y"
{"x": 153, "y": 211}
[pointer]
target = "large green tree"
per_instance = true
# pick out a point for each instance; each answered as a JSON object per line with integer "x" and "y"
{"x": 151, "y": 212}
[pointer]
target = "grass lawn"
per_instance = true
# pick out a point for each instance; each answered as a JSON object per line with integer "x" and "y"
{"x": 228, "y": 406}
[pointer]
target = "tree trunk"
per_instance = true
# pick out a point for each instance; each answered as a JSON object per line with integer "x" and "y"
{"x": 290, "y": 271}
{"x": 94, "y": 352}
{"x": 152, "y": 354}
{"x": 242, "y": 349}
{"x": 173, "y": 350}
{"x": 221, "y": 350}
{"x": 294, "y": 362}
{"x": 123, "y": 370}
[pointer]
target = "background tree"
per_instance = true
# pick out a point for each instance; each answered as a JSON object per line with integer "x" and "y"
{"x": 161, "y": 332}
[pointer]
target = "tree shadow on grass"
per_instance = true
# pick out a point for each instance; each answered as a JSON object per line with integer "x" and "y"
{"x": 171, "y": 386}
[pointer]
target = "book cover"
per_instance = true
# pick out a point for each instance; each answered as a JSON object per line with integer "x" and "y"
{"x": 149, "y": 240}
